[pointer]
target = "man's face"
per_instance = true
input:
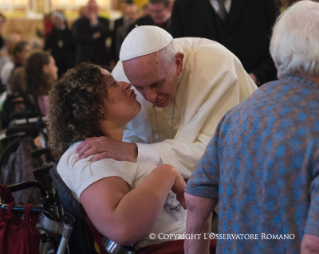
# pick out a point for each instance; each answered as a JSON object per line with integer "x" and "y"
{"x": 131, "y": 12}
{"x": 92, "y": 8}
{"x": 57, "y": 22}
{"x": 159, "y": 13}
{"x": 156, "y": 81}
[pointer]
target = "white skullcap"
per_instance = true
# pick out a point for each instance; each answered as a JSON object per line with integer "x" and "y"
{"x": 144, "y": 40}
{"x": 58, "y": 14}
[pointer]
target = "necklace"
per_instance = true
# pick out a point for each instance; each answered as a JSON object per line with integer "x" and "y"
{"x": 172, "y": 120}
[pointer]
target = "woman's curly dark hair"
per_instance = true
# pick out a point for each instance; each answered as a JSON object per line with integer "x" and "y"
{"x": 75, "y": 107}
{"x": 38, "y": 82}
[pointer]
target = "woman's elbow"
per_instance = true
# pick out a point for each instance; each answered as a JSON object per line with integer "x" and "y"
{"x": 125, "y": 235}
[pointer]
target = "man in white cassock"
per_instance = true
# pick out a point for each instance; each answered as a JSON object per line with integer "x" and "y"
{"x": 185, "y": 87}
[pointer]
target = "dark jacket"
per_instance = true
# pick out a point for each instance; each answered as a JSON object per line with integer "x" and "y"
{"x": 148, "y": 21}
{"x": 88, "y": 48}
{"x": 62, "y": 45}
{"x": 114, "y": 52}
{"x": 246, "y": 31}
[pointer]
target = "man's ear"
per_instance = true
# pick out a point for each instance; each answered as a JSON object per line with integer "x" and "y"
{"x": 179, "y": 57}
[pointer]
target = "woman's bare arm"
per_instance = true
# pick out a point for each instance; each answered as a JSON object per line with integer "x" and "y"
{"x": 126, "y": 216}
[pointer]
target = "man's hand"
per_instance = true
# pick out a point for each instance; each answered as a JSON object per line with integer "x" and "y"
{"x": 96, "y": 35}
{"x": 104, "y": 147}
{"x": 253, "y": 77}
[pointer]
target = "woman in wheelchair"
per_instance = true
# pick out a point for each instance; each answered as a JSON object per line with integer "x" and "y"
{"x": 125, "y": 201}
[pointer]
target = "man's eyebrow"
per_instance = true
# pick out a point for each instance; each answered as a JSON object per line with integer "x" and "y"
{"x": 156, "y": 83}
{"x": 159, "y": 82}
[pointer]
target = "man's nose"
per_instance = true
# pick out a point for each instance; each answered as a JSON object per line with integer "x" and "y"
{"x": 150, "y": 96}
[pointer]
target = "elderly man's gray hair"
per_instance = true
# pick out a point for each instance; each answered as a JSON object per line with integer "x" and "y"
{"x": 295, "y": 41}
{"x": 167, "y": 54}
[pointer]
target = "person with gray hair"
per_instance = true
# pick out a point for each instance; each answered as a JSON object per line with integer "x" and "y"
{"x": 294, "y": 44}
{"x": 261, "y": 167}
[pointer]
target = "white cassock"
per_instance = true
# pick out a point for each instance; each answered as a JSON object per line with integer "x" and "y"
{"x": 213, "y": 81}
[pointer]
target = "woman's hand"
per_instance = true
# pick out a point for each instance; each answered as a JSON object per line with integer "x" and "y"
{"x": 178, "y": 189}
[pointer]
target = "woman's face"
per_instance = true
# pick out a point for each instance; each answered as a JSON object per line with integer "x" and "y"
{"x": 22, "y": 56}
{"x": 121, "y": 105}
{"x": 51, "y": 69}
{"x": 57, "y": 22}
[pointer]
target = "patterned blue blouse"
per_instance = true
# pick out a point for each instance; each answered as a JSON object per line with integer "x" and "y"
{"x": 263, "y": 166}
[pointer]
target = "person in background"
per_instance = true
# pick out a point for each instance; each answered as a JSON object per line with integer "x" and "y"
{"x": 243, "y": 27}
{"x": 121, "y": 29}
{"x": 82, "y": 14}
{"x": 261, "y": 167}
{"x": 17, "y": 82}
{"x": 90, "y": 33}
{"x": 19, "y": 52}
{"x": 61, "y": 43}
{"x": 2, "y": 21}
{"x": 37, "y": 44}
{"x": 159, "y": 15}
{"x": 9, "y": 41}
{"x": 145, "y": 11}
{"x": 41, "y": 73}
{"x": 124, "y": 3}
{"x": 82, "y": 11}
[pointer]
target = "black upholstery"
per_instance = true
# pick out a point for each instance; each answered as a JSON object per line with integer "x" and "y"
{"x": 81, "y": 241}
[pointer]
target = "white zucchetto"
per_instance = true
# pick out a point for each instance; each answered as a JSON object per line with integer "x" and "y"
{"x": 144, "y": 40}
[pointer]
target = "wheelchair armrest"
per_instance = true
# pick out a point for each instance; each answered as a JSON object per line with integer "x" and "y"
{"x": 35, "y": 209}
{"x": 38, "y": 152}
{"x": 25, "y": 185}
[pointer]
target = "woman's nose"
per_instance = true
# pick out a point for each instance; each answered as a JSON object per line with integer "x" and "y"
{"x": 125, "y": 85}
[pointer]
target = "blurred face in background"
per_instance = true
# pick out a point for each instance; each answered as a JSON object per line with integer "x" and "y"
{"x": 51, "y": 70}
{"x": 131, "y": 12}
{"x": 92, "y": 8}
{"x": 57, "y": 22}
{"x": 11, "y": 40}
{"x": 21, "y": 56}
{"x": 159, "y": 13}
